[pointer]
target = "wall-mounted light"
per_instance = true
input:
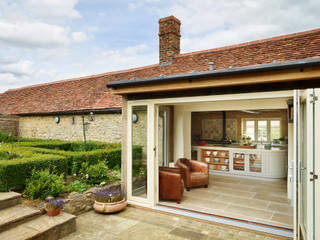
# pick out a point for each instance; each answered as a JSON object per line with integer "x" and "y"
{"x": 57, "y": 119}
{"x": 73, "y": 120}
{"x": 91, "y": 116}
{"x": 134, "y": 118}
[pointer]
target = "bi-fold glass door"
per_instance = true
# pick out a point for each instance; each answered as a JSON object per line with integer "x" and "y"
{"x": 306, "y": 127}
{"x": 140, "y": 153}
{"x": 316, "y": 167}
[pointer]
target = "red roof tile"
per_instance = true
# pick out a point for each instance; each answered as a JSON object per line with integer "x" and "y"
{"x": 90, "y": 92}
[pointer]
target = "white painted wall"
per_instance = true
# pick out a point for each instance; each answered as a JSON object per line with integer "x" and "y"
{"x": 178, "y": 130}
{"x": 182, "y": 117}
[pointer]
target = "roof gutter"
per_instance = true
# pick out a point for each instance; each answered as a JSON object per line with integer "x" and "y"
{"x": 311, "y": 62}
{"x": 74, "y": 112}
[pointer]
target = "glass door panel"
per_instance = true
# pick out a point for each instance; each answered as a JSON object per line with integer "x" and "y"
{"x": 239, "y": 161}
{"x": 139, "y": 151}
{"x": 316, "y": 167}
{"x": 304, "y": 175}
{"x": 255, "y": 163}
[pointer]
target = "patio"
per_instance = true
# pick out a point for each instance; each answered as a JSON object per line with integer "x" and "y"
{"x": 136, "y": 223}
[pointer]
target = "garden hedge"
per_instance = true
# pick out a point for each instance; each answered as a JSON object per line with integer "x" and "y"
{"x": 13, "y": 173}
{"x": 76, "y": 146}
{"x": 7, "y": 137}
{"x": 52, "y": 154}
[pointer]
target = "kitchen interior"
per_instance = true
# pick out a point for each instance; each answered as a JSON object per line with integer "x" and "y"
{"x": 247, "y": 155}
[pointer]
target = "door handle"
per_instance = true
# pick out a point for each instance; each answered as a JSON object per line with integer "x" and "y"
{"x": 313, "y": 176}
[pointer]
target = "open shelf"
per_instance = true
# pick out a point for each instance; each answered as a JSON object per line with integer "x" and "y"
{"x": 209, "y": 155}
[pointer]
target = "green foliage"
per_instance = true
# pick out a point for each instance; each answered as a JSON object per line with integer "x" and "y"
{"x": 16, "y": 167}
{"x": 114, "y": 175}
{"x": 8, "y": 156}
{"x": 93, "y": 174}
{"x": 77, "y": 186}
{"x": 13, "y": 173}
{"x": 42, "y": 184}
{"x": 7, "y": 137}
{"x": 136, "y": 155}
{"x": 76, "y": 146}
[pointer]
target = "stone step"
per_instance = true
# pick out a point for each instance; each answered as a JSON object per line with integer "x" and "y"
{"x": 13, "y": 216}
{"x": 9, "y": 199}
{"x": 43, "y": 228}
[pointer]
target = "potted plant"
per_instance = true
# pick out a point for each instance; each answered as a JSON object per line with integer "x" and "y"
{"x": 54, "y": 206}
{"x": 109, "y": 201}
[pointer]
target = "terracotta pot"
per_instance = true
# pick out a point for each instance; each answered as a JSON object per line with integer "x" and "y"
{"x": 109, "y": 207}
{"x": 53, "y": 213}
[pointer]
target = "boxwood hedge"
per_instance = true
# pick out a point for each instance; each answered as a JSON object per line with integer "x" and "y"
{"x": 13, "y": 173}
{"x": 58, "y": 156}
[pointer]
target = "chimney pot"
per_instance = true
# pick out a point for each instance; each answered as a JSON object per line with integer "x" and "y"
{"x": 169, "y": 38}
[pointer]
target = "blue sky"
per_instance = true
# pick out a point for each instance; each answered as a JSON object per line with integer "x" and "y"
{"x": 49, "y": 40}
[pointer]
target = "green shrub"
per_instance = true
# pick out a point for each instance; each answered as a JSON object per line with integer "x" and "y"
{"x": 93, "y": 174}
{"x": 75, "y": 146}
{"x": 42, "y": 184}
{"x": 7, "y": 137}
{"x": 77, "y": 186}
{"x": 30, "y": 155}
{"x": 111, "y": 156}
{"x": 13, "y": 173}
{"x": 8, "y": 156}
{"x": 47, "y": 144}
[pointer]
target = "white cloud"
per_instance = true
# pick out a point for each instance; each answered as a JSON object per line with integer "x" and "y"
{"x": 53, "y": 36}
{"x": 208, "y": 24}
{"x": 79, "y": 36}
{"x": 33, "y": 34}
{"x": 53, "y": 8}
{"x": 132, "y": 56}
{"x": 23, "y": 73}
{"x": 21, "y": 67}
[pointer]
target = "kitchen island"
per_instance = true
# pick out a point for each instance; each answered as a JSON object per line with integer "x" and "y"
{"x": 250, "y": 162}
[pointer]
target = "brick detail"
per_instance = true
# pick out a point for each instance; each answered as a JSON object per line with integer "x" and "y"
{"x": 169, "y": 38}
{"x": 9, "y": 124}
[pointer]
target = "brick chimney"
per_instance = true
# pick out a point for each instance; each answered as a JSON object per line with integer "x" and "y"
{"x": 169, "y": 38}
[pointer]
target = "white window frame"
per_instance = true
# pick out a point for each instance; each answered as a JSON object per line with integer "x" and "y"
{"x": 256, "y": 134}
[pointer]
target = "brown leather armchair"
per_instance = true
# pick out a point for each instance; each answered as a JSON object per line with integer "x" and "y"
{"x": 170, "y": 184}
{"x": 194, "y": 173}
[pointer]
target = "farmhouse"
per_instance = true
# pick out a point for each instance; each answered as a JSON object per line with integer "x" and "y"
{"x": 246, "y": 114}
{"x": 39, "y": 105}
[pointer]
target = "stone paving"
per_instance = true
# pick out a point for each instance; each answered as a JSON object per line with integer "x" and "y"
{"x": 136, "y": 223}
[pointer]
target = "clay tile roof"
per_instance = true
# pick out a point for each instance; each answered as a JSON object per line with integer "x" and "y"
{"x": 90, "y": 92}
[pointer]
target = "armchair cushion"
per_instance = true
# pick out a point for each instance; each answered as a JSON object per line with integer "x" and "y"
{"x": 196, "y": 175}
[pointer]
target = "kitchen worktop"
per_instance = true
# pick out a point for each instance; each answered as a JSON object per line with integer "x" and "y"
{"x": 237, "y": 146}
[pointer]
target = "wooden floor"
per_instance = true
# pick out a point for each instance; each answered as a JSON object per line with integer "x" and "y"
{"x": 247, "y": 199}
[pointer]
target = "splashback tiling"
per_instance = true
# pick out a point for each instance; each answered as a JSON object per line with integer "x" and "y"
{"x": 212, "y": 129}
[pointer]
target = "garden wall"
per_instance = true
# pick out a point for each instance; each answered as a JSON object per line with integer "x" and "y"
{"x": 9, "y": 124}
{"x": 104, "y": 127}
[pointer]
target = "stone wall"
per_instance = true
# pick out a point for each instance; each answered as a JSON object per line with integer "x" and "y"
{"x": 9, "y": 124}
{"x": 104, "y": 127}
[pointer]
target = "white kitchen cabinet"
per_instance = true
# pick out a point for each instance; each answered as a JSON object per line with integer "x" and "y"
{"x": 260, "y": 163}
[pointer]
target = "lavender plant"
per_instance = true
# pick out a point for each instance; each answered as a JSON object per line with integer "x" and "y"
{"x": 110, "y": 195}
{"x": 55, "y": 204}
